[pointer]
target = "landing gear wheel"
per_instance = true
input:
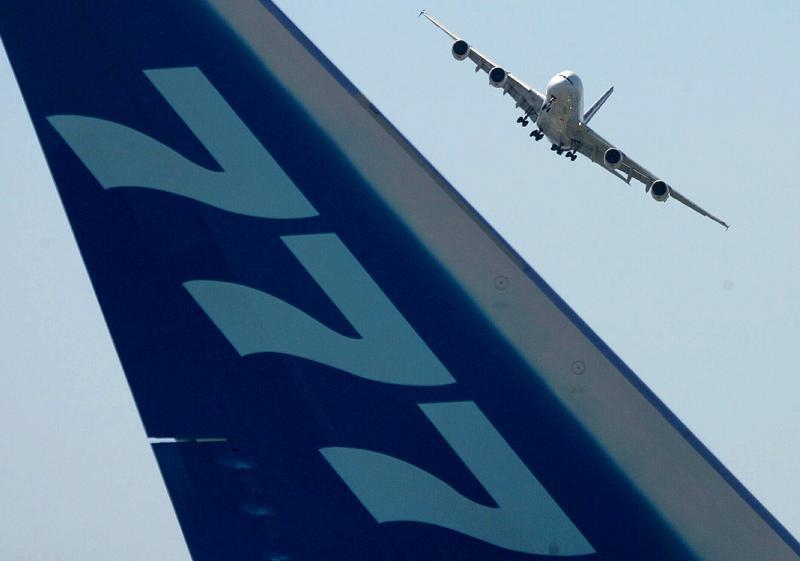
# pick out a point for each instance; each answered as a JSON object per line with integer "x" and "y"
{"x": 573, "y": 157}
{"x": 525, "y": 123}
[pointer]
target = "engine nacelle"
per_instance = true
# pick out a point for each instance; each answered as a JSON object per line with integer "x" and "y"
{"x": 498, "y": 77}
{"x": 460, "y": 49}
{"x": 659, "y": 190}
{"x": 613, "y": 158}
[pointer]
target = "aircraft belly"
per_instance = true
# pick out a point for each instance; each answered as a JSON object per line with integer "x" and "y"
{"x": 554, "y": 128}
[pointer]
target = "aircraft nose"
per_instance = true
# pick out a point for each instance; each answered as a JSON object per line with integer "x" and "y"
{"x": 571, "y": 77}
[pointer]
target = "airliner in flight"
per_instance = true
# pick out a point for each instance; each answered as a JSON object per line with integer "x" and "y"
{"x": 558, "y": 115}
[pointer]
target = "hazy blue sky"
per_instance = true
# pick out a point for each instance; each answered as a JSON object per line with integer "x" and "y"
{"x": 707, "y": 318}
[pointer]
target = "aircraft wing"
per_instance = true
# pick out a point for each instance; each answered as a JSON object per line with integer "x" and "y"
{"x": 334, "y": 356}
{"x": 526, "y": 97}
{"x": 594, "y": 147}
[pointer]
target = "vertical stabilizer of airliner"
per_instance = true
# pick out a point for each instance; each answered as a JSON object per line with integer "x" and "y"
{"x": 338, "y": 358}
{"x": 597, "y": 105}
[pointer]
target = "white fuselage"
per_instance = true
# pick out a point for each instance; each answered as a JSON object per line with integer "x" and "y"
{"x": 563, "y": 109}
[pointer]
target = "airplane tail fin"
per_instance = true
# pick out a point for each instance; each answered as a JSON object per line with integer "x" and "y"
{"x": 597, "y": 105}
{"x": 334, "y": 355}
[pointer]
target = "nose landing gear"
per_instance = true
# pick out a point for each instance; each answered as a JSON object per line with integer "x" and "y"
{"x": 549, "y": 104}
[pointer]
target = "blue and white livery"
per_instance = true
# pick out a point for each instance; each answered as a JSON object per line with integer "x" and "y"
{"x": 335, "y": 357}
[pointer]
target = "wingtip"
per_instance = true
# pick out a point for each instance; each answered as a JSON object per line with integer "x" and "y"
{"x": 421, "y": 12}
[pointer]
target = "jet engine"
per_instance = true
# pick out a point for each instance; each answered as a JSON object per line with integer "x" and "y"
{"x": 660, "y": 190}
{"x": 498, "y": 77}
{"x": 613, "y": 158}
{"x": 460, "y": 49}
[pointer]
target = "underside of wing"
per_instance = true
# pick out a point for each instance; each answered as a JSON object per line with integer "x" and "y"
{"x": 603, "y": 153}
{"x": 526, "y": 97}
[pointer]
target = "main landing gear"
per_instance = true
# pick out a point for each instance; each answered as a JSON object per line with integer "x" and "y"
{"x": 537, "y": 134}
{"x": 571, "y": 154}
